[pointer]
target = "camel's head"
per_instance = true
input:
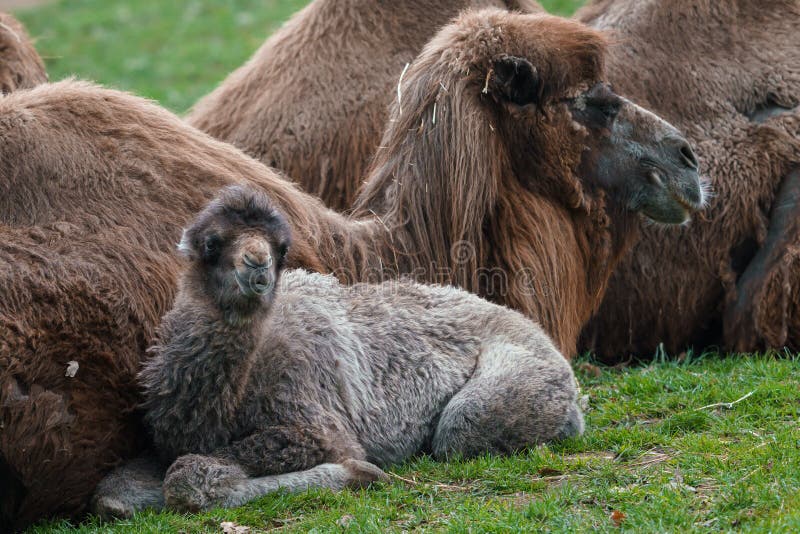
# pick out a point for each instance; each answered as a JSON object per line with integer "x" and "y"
{"x": 238, "y": 246}
{"x": 566, "y": 133}
{"x": 641, "y": 159}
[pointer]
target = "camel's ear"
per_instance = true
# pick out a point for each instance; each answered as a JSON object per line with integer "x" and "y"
{"x": 517, "y": 80}
{"x": 283, "y": 249}
{"x": 185, "y": 246}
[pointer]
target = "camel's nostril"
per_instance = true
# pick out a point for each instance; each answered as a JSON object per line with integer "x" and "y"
{"x": 688, "y": 156}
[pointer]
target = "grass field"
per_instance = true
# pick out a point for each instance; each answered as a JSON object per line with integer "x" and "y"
{"x": 663, "y": 452}
{"x": 660, "y": 454}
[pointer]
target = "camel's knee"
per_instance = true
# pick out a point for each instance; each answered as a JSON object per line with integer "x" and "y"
{"x": 469, "y": 429}
{"x": 574, "y": 425}
{"x": 458, "y": 434}
{"x": 194, "y": 482}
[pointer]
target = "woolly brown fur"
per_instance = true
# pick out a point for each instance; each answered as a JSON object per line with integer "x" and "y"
{"x": 20, "y": 64}
{"x": 715, "y": 69}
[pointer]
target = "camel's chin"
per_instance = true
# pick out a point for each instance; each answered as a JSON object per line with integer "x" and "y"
{"x": 674, "y": 215}
{"x": 673, "y": 209}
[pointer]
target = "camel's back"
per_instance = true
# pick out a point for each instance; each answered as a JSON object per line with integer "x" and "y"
{"x": 450, "y": 320}
{"x": 385, "y": 357}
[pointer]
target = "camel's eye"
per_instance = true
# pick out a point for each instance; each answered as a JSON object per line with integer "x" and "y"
{"x": 607, "y": 109}
{"x": 211, "y": 245}
{"x": 603, "y": 103}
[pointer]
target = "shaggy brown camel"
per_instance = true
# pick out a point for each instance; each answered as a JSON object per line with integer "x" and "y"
{"x": 74, "y": 324}
{"x": 20, "y": 64}
{"x": 728, "y": 73}
{"x": 510, "y": 170}
{"x": 312, "y": 101}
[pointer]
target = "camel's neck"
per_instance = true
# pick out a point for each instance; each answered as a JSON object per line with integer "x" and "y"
{"x": 553, "y": 263}
{"x": 198, "y": 376}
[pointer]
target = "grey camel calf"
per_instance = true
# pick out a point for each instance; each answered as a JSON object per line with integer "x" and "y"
{"x": 265, "y": 379}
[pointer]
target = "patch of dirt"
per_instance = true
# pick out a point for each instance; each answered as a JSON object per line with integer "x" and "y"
{"x": 603, "y": 456}
{"x": 521, "y": 499}
{"x": 650, "y": 458}
{"x": 11, "y": 5}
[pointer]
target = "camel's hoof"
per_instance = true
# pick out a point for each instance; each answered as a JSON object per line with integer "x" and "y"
{"x": 195, "y": 483}
{"x": 109, "y": 508}
{"x": 362, "y": 474}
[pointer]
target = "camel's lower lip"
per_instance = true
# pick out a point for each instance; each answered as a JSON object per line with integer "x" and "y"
{"x": 687, "y": 205}
{"x": 685, "y": 218}
{"x": 677, "y": 214}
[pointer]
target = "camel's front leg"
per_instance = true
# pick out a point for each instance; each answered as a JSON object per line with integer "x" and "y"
{"x": 279, "y": 449}
{"x": 195, "y": 482}
{"x": 130, "y": 488}
{"x": 296, "y": 458}
{"x": 761, "y": 314}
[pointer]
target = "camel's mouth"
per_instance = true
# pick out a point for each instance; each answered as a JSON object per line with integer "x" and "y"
{"x": 255, "y": 282}
{"x": 674, "y": 199}
{"x": 689, "y": 206}
{"x": 676, "y": 210}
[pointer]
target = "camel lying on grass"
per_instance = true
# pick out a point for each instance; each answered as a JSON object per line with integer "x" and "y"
{"x": 263, "y": 379}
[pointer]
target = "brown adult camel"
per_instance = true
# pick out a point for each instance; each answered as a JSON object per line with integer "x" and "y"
{"x": 728, "y": 73}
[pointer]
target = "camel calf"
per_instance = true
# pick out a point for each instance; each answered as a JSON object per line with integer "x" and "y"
{"x": 264, "y": 379}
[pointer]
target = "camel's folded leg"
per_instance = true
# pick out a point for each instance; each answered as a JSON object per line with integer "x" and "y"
{"x": 760, "y": 314}
{"x": 518, "y": 397}
{"x": 130, "y": 488}
{"x": 196, "y": 482}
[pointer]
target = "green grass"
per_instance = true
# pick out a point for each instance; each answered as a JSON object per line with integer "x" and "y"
{"x": 649, "y": 453}
{"x": 561, "y": 7}
{"x": 172, "y": 51}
